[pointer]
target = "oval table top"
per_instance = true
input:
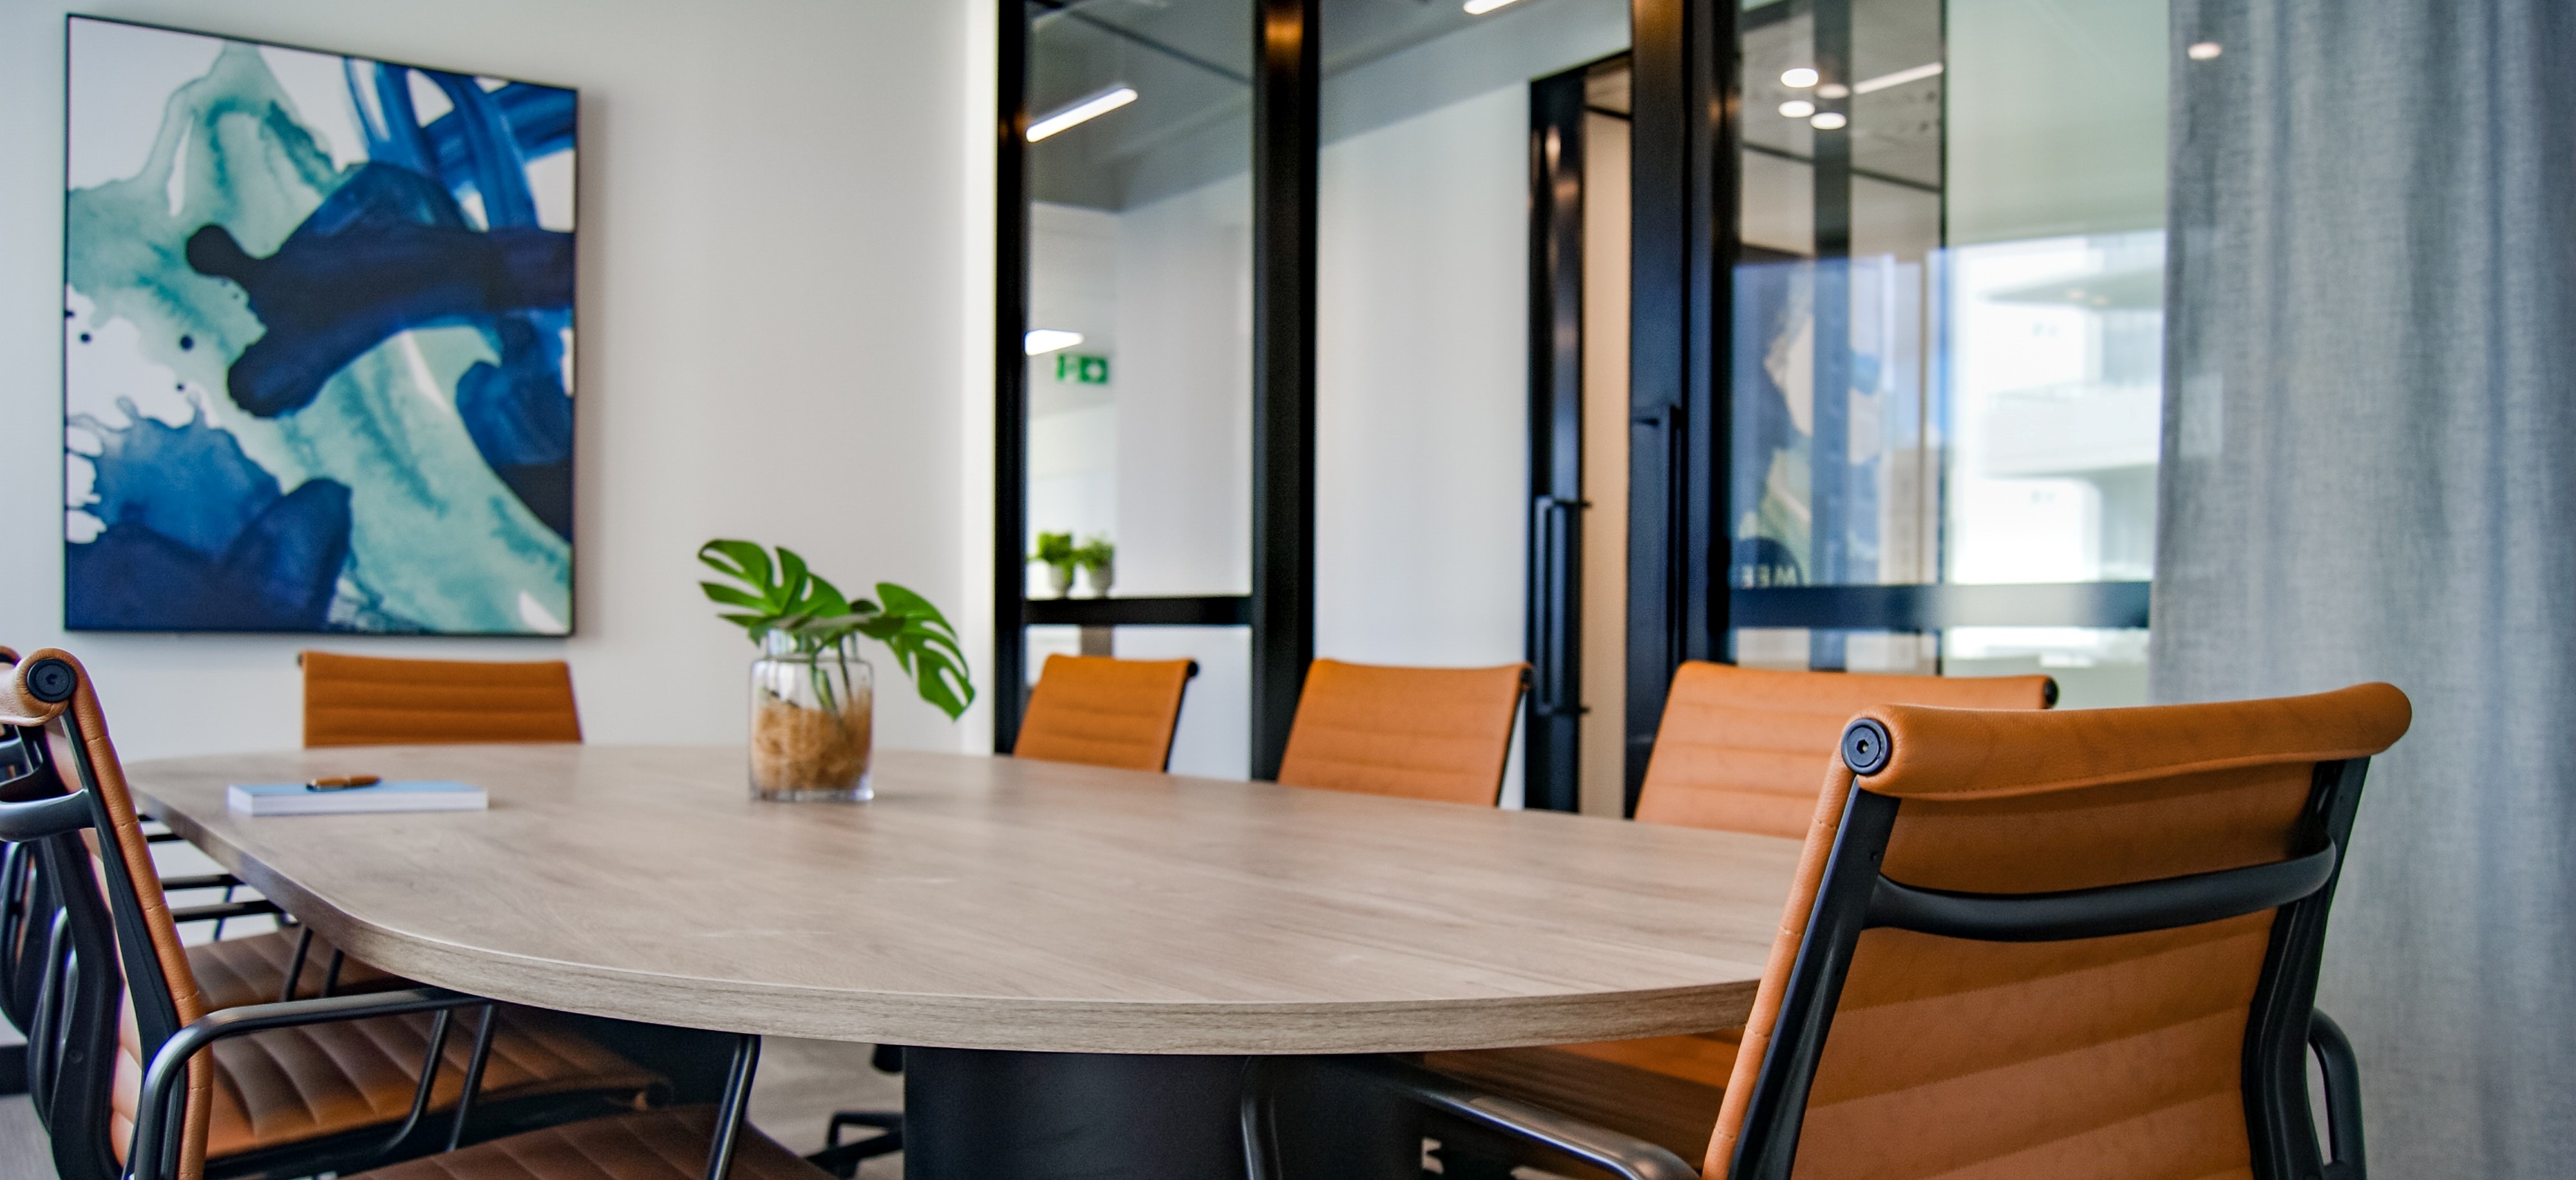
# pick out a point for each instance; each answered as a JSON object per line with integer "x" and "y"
{"x": 992, "y": 903}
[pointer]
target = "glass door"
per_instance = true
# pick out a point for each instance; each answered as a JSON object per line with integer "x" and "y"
{"x": 1433, "y": 124}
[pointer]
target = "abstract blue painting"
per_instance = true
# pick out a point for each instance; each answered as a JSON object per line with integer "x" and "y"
{"x": 317, "y": 342}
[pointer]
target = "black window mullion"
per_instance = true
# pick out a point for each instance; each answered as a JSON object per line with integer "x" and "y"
{"x": 1009, "y": 685}
{"x": 1284, "y": 146}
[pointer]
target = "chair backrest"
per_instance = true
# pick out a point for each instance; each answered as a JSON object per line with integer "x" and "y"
{"x": 1739, "y": 747}
{"x": 1105, "y": 711}
{"x": 51, "y": 693}
{"x": 1422, "y": 733}
{"x": 2056, "y": 944}
{"x": 366, "y": 701}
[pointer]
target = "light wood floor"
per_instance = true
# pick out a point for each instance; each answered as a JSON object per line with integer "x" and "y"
{"x": 801, "y": 1083}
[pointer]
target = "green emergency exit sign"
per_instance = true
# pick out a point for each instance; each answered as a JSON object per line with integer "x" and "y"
{"x": 1081, "y": 370}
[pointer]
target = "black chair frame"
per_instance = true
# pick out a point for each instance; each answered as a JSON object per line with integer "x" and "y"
{"x": 2283, "y": 1031}
{"x": 78, "y": 1014}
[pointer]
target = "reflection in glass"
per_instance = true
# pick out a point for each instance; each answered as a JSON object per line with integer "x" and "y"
{"x": 1948, "y": 311}
{"x": 2095, "y": 668}
{"x": 1422, "y": 319}
{"x": 1140, "y": 265}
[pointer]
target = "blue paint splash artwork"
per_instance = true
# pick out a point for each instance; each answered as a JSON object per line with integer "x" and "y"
{"x": 317, "y": 317}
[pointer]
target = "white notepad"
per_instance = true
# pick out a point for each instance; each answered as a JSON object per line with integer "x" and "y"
{"x": 297, "y": 799}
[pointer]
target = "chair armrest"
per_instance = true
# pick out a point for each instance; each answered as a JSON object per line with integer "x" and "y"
{"x": 2342, "y": 1070}
{"x": 1622, "y": 1155}
{"x": 44, "y": 817}
{"x": 159, "y": 1122}
{"x": 217, "y": 911}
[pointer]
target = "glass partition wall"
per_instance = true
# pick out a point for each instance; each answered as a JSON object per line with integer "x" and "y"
{"x": 1268, "y": 265}
{"x": 1947, "y": 337}
{"x": 1138, "y": 345}
{"x": 1427, "y": 497}
{"x": 1605, "y": 334}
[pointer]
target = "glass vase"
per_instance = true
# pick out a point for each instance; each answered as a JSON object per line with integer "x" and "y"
{"x": 813, "y": 709}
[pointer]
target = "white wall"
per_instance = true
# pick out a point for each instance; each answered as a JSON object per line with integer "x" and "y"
{"x": 1184, "y": 286}
{"x": 1422, "y": 388}
{"x": 784, "y": 309}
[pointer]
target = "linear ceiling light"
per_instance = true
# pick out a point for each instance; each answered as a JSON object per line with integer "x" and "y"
{"x": 1050, "y": 339}
{"x": 1899, "y": 78}
{"x": 1481, "y": 7}
{"x": 1082, "y": 112}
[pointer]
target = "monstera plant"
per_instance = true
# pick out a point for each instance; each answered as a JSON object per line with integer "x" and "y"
{"x": 813, "y": 697}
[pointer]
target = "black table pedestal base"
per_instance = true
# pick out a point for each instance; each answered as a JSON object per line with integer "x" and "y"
{"x": 974, "y": 1114}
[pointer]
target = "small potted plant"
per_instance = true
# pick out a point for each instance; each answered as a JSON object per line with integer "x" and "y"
{"x": 813, "y": 700}
{"x": 1056, "y": 552}
{"x": 1099, "y": 561}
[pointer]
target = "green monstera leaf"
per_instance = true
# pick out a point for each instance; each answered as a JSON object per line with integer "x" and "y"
{"x": 781, "y": 596}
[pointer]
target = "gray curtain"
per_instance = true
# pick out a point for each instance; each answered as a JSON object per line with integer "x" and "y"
{"x": 2370, "y": 473}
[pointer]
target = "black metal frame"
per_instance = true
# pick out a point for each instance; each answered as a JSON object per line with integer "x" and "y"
{"x": 843, "y": 1159}
{"x": 1854, "y": 896}
{"x": 1552, "y": 768}
{"x": 1280, "y": 610}
{"x": 1215, "y": 610}
{"x": 1922, "y": 607}
{"x": 1009, "y": 691}
{"x": 1286, "y": 137}
{"x": 1557, "y": 1135}
{"x": 72, "y": 1045}
{"x": 1684, "y": 198}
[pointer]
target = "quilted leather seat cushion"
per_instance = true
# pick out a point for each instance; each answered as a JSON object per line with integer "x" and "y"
{"x": 1676, "y": 1113}
{"x": 249, "y": 970}
{"x": 656, "y": 1145}
{"x": 292, "y": 1085}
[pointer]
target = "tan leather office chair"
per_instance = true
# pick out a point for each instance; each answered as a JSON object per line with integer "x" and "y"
{"x": 2038, "y": 944}
{"x": 367, "y": 701}
{"x": 1738, "y": 747}
{"x": 371, "y": 701}
{"x": 1421, "y": 733}
{"x": 1738, "y": 751}
{"x": 1105, "y": 712}
{"x": 252, "y": 969}
{"x": 290, "y": 1099}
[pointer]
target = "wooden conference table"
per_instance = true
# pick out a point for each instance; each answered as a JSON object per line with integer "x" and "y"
{"x": 1084, "y": 955}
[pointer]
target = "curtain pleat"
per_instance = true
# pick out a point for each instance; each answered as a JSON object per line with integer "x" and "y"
{"x": 2370, "y": 473}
